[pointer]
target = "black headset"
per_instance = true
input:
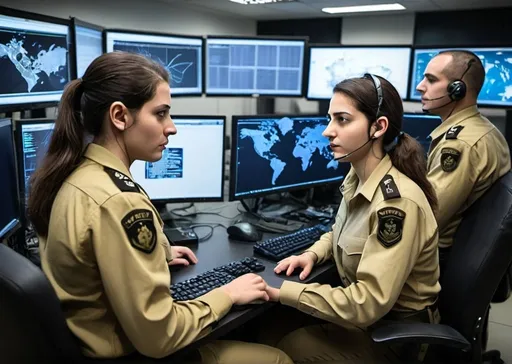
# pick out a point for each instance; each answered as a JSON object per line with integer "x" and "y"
{"x": 457, "y": 89}
{"x": 378, "y": 90}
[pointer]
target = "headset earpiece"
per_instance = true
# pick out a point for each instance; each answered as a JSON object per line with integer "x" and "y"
{"x": 457, "y": 90}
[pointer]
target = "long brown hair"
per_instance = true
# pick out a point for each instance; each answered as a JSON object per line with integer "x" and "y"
{"x": 408, "y": 156}
{"x": 118, "y": 76}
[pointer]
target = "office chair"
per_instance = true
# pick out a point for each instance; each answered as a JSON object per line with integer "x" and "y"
{"x": 33, "y": 326}
{"x": 479, "y": 259}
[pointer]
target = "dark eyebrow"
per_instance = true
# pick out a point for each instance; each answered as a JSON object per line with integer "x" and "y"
{"x": 430, "y": 75}
{"x": 339, "y": 113}
{"x": 168, "y": 107}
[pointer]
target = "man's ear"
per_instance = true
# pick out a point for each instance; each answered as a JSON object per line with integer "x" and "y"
{"x": 118, "y": 115}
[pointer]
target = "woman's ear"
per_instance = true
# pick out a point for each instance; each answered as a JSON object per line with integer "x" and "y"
{"x": 118, "y": 115}
{"x": 381, "y": 126}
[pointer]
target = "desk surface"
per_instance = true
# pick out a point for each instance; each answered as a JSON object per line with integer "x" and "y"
{"x": 219, "y": 250}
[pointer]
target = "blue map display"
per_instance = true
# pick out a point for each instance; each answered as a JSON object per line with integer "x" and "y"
{"x": 497, "y": 88}
{"x": 283, "y": 152}
{"x": 170, "y": 166}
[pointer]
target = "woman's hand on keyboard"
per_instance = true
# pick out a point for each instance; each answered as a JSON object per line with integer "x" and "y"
{"x": 246, "y": 289}
{"x": 306, "y": 261}
{"x": 182, "y": 256}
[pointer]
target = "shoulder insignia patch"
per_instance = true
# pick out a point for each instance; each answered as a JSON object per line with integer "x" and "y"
{"x": 122, "y": 181}
{"x": 449, "y": 159}
{"x": 391, "y": 225}
{"x": 140, "y": 228}
{"x": 454, "y": 131}
{"x": 389, "y": 188}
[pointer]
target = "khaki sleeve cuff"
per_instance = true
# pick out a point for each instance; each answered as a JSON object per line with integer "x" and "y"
{"x": 318, "y": 251}
{"x": 219, "y": 302}
{"x": 290, "y": 293}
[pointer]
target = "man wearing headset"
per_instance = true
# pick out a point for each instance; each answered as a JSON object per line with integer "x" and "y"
{"x": 468, "y": 153}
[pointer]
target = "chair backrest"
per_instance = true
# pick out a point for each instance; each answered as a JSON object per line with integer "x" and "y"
{"x": 479, "y": 258}
{"x": 33, "y": 326}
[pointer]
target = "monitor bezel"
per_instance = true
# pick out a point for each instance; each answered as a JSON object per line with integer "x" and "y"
{"x": 160, "y": 202}
{"x": 376, "y": 46}
{"x": 20, "y": 161}
{"x": 256, "y": 38}
{"x": 76, "y": 22}
{"x": 9, "y": 123}
{"x": 162, "y": 34}
{"x": 47, "y": 19}
{"x": 444, "y": 47}
{"x": 233, "y": 159}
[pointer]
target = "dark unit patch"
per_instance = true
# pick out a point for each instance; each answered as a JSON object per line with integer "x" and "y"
{"x": 122, "y": 181}
{"x": 449, "y": 159}
{"x": 389, "y": 188}
{"x": 140, "y": 228}
{"x": 391, "y": 226}
{"x": 454, "y": 131}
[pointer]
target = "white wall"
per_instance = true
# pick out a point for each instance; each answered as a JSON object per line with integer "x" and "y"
{"x": 161, "y": 17}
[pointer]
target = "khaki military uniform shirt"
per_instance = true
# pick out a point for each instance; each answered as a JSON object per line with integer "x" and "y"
{"x": 467, "y": 155}
{"x": 105, "y": 256}
{"x": 384, "y": 243}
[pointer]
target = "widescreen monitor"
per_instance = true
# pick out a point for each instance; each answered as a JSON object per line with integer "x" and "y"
{"x": 10, "y": 211}
{"x": 32, "y": 141}
{"x": 34, "y": 59}
{"x": 254, "y": 66}
{"x": 182, "y": 56}
{"x": 192, "y": 164}
{"x": 88, "y": 42}
{"x": 271, "y": 154}
{"x": 329, "y": 65}
{"x": 497, "y": 88}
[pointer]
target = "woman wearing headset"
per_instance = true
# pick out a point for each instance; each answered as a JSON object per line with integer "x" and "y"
{"x": 384, "y": 240}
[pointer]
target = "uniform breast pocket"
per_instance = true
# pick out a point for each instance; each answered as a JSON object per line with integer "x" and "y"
{"x": 352, "y": 249}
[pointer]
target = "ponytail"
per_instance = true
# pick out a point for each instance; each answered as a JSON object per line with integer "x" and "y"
{"x": 64, "y": 155}
{"x": 408, "y": 156}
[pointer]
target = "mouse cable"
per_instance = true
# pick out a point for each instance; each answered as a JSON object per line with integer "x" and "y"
{"x": 210, "y": 226}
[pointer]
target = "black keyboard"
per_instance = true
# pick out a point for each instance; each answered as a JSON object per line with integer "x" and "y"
{"x": 205, "y": 282}
{"x": 283, "y": 246}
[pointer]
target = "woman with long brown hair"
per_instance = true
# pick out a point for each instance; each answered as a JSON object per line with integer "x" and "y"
{"x": 384, "y": 240}
{"x": 101, "y": 240}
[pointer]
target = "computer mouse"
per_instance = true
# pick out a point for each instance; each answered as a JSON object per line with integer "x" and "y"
{"x": 244, "y": 231}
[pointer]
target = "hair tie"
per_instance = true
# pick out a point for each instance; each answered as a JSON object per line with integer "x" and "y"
{"x": 388, "y": 148}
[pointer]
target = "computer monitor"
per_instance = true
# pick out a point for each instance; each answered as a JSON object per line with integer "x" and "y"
{"x": 329, "y": 65}
{"x": 497, "y": 88}
{"x": 254, "y": 66}
{"x": 419, "y": 126}
{"x": 34, "y": 59}
{"x": 182, "y": 56}
{"x": 192, "y": 165}
{"x": 88, "y": 44}
{"x": 10, "y": 211}
{"x": 275, "y": 153}
{"x": 32, "y": 141}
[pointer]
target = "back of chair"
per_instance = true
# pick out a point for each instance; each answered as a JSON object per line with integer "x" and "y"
{"x": 479, "y": 258}
{"x": 31, "y": 321}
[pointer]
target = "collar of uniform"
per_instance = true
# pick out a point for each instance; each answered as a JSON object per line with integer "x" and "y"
{"x": 349, "y": 183}
{"x": 454, "y": 120}
{"x": 106, "y": 158}
{"x": 372, "y": 183}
